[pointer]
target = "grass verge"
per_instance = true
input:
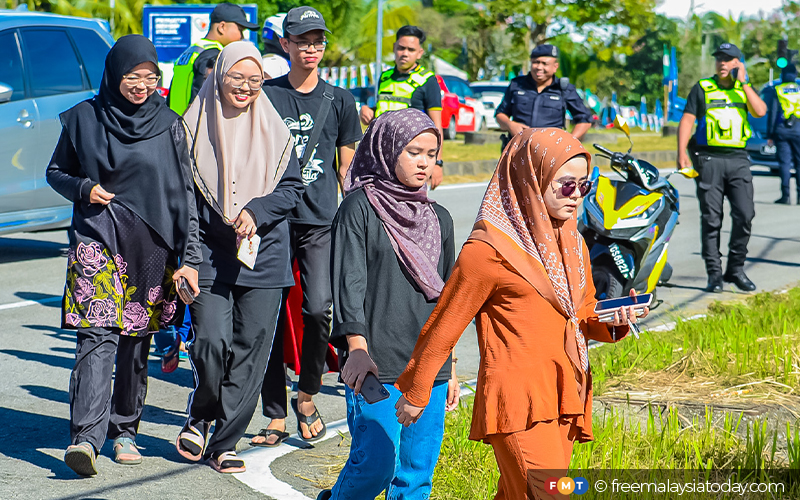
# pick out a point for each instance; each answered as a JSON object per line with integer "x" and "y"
{"x": 467, "y": 469}
{"x": 738, "y": 349}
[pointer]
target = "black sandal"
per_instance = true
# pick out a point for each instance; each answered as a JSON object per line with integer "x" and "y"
{"x": 266, "y": 433}
{"x": 308, "y": 420}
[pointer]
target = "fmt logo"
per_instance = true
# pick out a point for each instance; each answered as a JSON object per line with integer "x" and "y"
{"x": 566, "y": 485}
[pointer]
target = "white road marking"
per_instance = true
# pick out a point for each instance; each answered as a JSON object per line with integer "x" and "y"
{"x": 448, "y": 187}
{"x": 26, "y": 303}
{"x": 259, "y": 459}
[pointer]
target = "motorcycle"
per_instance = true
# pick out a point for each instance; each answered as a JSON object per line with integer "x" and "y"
{"x": 627, "y": 223}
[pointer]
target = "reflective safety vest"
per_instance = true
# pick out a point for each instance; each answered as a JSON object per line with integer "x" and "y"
{"x": 725, "y": 121}
{"x": 180, "y": 90}
{"x": 789, "y": 99}
{"x": 394, "y": 95}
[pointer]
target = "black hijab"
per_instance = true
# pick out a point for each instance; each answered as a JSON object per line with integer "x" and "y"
{"x": 132, "y": 150}
{"x": 127, "y": 121}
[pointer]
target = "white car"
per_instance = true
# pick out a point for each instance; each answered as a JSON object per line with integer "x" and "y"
{"x": 490, "y": 94}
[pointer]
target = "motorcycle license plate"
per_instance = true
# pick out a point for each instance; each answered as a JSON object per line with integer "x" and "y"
{"x": 768, "y": 150}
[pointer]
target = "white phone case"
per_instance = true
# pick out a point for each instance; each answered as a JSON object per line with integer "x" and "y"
{"x": 248, "y": 250}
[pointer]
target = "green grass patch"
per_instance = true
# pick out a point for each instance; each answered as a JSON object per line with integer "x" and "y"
{"x": 468, "y": 470}
{"x": 756, "y": 342}
{"x": 641, "y": 142}
{"x": 456, "y": 150}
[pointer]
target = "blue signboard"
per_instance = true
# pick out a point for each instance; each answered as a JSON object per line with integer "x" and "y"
{"x": 173, "y": 28}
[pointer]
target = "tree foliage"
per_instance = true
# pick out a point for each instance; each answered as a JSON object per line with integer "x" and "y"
{"x": 606, "y": 45}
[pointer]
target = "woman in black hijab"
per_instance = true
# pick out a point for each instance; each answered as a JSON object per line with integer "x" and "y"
{"x": 122, "y": 158}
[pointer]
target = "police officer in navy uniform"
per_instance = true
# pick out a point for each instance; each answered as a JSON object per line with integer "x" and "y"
{"x": 719, "y": 105}
{"x": 539, "y": 99}
{"x": 783, "y": 128}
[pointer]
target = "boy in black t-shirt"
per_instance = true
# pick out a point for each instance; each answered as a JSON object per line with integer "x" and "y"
{"x": 300, "y": 98}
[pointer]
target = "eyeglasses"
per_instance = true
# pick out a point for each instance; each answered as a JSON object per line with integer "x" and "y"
{"x": 568, "y": 187}
{"x": 238, "y": 81}
{"x": 149, "y": 80}
{"x": 304, "y": 46}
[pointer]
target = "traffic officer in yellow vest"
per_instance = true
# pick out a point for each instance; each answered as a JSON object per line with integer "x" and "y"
{"x": 783, "y": 128}
{"x": 228, "y": 23}
{"x": 409, "y": 85}
{"x": 719, "y": 105}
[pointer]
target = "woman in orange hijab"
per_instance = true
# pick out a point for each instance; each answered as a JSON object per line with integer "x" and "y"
{"x": 524, "y": 275}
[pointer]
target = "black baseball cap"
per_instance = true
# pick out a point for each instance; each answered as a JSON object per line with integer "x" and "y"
{"x": 545, "y": 50}
{"x": 230, "y": 13}
{"x": 730, "y": 50}
{"x": 302, "y": 20}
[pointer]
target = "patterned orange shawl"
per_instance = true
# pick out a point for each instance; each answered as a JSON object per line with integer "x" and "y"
{"x": 513, "y": 219}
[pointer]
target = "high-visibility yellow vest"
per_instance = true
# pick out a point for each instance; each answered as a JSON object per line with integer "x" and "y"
{"x": 394, "y": 95}
{"x": 725, "y": 121}
{"x": 180, "y": 90}
{"x": 789, "y": 99}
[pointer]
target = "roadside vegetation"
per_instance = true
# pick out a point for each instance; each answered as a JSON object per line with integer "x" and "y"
{"x": 739, "y": 356}
{"x": 713, "y": 392}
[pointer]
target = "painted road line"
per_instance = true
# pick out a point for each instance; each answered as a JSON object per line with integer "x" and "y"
{"x": 259, "y": 474}
{"x": 259, "y": 459}
{"x": 26, "y": 303}
{"x": 448, "y": 187}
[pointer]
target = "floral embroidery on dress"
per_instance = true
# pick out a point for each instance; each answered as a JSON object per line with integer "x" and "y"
{"x": 97, "y": 294}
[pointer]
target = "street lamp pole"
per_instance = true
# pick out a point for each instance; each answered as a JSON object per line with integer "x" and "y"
{"x": 111, "y": 5}
{"x": 379, "y": 50}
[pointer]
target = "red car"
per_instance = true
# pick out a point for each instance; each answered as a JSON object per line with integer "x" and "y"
{"x": 457, "y": 115}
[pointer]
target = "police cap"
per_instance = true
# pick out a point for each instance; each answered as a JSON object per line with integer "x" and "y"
{"x": 728, "y": 50}
{"x": 229, "y": 13}
{"x": 544, "y": 51}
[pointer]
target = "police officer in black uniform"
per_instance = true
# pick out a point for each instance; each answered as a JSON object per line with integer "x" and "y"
{"x": 720, "y": 105}
{"x": 783, "y": 128}
{"x": 539, "y": 99}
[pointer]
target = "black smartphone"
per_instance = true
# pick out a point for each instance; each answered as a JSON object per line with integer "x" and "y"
{"x": 735, "y": 74}
{"x": 185, "y": 291}
{"x": 611, "y": 305}
{"x": 372, "y": 389}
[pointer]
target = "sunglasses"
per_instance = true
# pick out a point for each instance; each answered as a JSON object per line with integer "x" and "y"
{"x": 568, "y": 187}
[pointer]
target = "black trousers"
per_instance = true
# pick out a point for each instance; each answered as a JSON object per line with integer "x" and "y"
{"x": 233, "y": 328}
{"x": 311, "y": 246}
{"x": 720, "y": 177}
{"x": 95, "y": 411}
{"x": 787, "y": 144}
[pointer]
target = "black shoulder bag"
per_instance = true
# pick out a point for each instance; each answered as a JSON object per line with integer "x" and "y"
{"x": 319, "y": 123}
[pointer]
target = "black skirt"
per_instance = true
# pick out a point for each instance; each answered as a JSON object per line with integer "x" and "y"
{"x": 119, "y": 273}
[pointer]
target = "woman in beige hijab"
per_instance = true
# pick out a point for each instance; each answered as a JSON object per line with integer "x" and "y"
{"x": 247, "y": 179}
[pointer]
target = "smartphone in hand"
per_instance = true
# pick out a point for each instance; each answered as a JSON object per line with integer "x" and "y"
{"x": 185, "y": 291}
{"x": 372, "y": 389}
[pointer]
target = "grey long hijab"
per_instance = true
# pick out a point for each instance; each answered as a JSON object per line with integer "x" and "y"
{"x": 407, "y": 214}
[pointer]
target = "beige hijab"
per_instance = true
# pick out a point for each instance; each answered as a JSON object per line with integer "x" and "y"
{"x": 241, "y": 157}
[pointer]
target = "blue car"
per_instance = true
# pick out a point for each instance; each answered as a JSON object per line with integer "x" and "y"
{"x": 48, "y": 63}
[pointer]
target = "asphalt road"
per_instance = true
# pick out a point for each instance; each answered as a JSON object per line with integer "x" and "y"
{"x": 36, "y": 358}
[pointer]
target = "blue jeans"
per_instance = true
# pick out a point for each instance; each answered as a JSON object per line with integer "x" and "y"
{"x": 384, "y": 455}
